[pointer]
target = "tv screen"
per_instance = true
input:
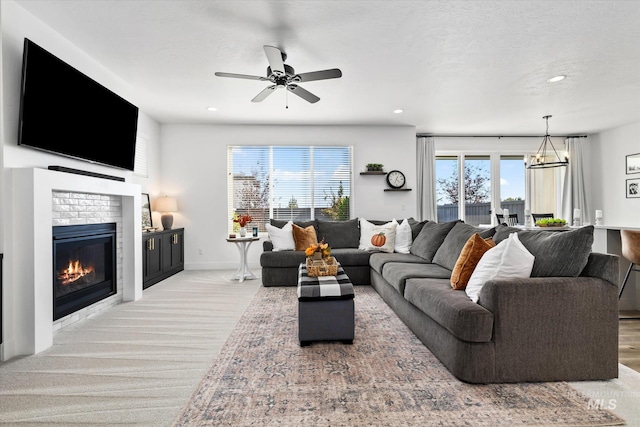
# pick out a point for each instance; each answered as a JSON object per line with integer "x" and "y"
{"x": 65, "y": 112}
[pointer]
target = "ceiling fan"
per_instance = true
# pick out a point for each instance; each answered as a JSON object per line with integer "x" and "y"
{"x": 282, "y": 75}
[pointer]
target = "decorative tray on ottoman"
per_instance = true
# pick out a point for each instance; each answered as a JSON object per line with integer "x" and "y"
{"x": 322, "y": 267}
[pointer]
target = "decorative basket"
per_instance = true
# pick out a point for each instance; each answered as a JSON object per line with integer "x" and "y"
{"x": 322, "y": 267}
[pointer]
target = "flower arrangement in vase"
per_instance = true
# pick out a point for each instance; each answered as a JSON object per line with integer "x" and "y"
{"x": 318, "y": 250}
{"x": 242, "y": 221}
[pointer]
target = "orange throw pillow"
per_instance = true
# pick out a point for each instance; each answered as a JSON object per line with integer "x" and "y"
{"x": 471, "y": 253}
{"x": 304, "y": 237}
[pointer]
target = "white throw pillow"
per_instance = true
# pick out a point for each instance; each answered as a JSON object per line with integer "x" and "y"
{"x": 508, "y": 259}
{"x": 403, "y": 237}
{"x": 281, "y": 238}
{"x": 369, "y": 230}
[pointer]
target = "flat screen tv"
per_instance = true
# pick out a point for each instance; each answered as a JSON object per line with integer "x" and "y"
{"x": 65, "y": 112}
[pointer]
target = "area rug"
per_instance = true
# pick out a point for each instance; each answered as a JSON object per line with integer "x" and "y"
{"x": 386, "y": 378}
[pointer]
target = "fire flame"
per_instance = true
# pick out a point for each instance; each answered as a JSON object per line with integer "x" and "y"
{"x": 74, "y": 272}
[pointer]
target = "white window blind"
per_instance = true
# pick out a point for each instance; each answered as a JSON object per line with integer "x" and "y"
{"x": 140, "y": 166}
{"x": 289, "y": 183}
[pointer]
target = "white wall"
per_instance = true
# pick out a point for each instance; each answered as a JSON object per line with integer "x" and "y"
{"x": 17, "y": 24}
{"x": 609, "y": 175}
{"x": 194, "y": 170}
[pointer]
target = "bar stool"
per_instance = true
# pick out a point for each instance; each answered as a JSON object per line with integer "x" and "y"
{"x": 631, "y": 251}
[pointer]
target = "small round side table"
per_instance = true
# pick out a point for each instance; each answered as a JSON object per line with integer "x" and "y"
{"x": 243, "y": 244}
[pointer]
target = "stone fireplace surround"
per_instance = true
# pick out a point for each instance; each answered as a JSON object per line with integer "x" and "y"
{"x": 30, "y": 318}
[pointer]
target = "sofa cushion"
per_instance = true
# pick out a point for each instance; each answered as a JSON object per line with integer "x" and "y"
{"x": 339, "y": 234}
{"x": 281, "y": 238}
{"x": 379, "y": 259}
{"x": 509, "y": 259}
{"x": 452, "y": 309}
{"x": 431, "y": 236}
{"x": 558, "y": 253}
{"x": 351, "y": 257}
{"x": 469, "y": 257}
{"x": 304, "y": 237}
{"x": 416, "y": 227}
{"x": 304, "y": 224}
{"x": 448, "y": 253}
{"x": 283, "y": 259}
{"x": 397, "y": 273}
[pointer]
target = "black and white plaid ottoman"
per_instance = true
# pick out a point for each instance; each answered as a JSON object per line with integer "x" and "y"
{"x": 325, "y": 307}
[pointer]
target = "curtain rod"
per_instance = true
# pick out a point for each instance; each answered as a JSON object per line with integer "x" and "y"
{"x": 419, "y": 135}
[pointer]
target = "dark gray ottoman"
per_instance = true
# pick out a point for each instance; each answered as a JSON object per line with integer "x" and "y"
{"x": 325, "y": 307}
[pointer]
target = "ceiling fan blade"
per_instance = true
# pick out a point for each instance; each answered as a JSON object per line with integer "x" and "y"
{"x": 265, "y": 92}
{"x": 302, "y": 93}
{"x": 241, "y": 76}
{"x": 274, "y": 56}
{"x": 333, "y": 73}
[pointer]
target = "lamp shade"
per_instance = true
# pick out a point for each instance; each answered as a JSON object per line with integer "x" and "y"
{"x": 166, "y": 204}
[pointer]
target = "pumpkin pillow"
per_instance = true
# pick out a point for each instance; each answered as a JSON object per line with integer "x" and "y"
{"x": 471, "y": 253}
{"x": 304, "y": 237}
{"x": 377, "y": 237}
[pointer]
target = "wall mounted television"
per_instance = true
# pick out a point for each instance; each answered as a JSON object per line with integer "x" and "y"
{"x": 65, "y": 112}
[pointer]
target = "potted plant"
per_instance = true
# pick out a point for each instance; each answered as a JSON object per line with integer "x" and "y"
{"x": 374, "y": 167}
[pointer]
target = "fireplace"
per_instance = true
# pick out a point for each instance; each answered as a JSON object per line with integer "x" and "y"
{"x": 84, "y": 266}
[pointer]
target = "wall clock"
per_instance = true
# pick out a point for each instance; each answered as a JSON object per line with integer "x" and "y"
{"x": 395, "y": 179}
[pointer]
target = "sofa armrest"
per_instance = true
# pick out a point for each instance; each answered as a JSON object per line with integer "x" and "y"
{"x": 267, "y": 245}
{"x": 552, "y": 328}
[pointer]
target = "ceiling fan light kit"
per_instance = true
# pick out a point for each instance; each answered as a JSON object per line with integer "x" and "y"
{"x": 284, "y": 76}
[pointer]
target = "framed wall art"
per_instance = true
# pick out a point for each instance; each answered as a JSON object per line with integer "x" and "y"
{"x": 147, "y": 221}
{"x": 633, "y": 163}
{"x": 633, "y": 188}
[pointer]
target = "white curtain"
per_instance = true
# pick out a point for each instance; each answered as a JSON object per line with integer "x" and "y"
{"x": 574, "y": 193}
{"x": 426, "y": 168}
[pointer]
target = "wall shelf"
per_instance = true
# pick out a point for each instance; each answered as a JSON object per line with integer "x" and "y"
{"x": 397, "y": 189}
{"x": 373, "y": 173}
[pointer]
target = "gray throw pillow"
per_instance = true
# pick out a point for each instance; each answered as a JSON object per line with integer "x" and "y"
{"x": 449, "y": 252}
{"x": 339, "y": 234}
{"x": 430, "y": 238}
{"x": 558, "y": 253}
{"x": 416, "y": 227}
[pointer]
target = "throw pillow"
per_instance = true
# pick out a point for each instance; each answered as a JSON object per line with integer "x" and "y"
{"x": 471, "y": 253}
{"x": 430, "y": 238}
{"x": 281, "y": 238}
{"x": 403, "y": 237}
{"x": 304, "y": 237}
{"x": 416, "y": 227}
{"x": 508, "y": 259}
{"x": 377, "y": 237}
{"x": 339, "y": 234}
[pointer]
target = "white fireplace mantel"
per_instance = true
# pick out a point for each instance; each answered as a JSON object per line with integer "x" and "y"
{"x": 30, "y": 318}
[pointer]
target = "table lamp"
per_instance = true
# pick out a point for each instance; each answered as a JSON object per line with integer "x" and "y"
{"x": 165, "y": 205}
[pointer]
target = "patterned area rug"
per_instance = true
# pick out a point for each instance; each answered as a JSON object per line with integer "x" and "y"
{"x": 386, "y": 378}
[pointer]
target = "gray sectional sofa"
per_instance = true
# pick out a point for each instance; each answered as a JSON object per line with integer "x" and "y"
{"x": 560, "y": 324}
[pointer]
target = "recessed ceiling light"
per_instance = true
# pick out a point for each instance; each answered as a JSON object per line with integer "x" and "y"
{"x": 557, "y": 78}
{"x": 398, "y": 111}
{"x": 212, "y": 109}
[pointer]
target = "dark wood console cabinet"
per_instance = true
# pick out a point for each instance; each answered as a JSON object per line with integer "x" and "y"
{"x": 162, "y": 255}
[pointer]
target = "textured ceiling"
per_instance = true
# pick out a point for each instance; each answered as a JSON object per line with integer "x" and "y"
{"x": 455, "y": 67}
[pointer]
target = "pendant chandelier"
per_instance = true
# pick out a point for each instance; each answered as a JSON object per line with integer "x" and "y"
{"x": 543, "y": 160}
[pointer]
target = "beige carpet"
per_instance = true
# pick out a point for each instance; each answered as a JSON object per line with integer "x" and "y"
{"x": 386, "y": 378}
{"x": 138, "y": 363}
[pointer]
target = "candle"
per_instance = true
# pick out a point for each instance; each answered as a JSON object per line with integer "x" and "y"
{"x": 527, "y": 212}
{"x": 576, "y": 213}
{"x": 505, "y": 212}
{"x": 598, "y": 213}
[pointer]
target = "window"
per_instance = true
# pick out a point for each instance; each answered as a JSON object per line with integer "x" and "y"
{"x": 489, "y": 180}
{"x": 289, "y": 183}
